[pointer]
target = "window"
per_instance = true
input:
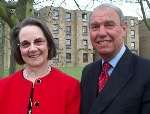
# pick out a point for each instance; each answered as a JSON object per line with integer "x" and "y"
{"x": 12, "y": 11}
{"x": 68, "y": 36}
{"x": 56, "y": 29}
{"x": 68, "y": 16}
{"x": 68, "y": 30}
{"x": 84, "y": 17}
{"x": 132, "y": 37}
{"x": 68, "y": 43}
{"x": 132, "y": 45}
{"x": 85, "y": 57}
{"x": 134, "y": 51}
{"x": 84, "y": 29}
{"x": 37, "y": 14}
{"x": 55, "y": 14}
{"x": 132, "y": 33}
{"x": 132, "y": 22}
{"x": 85, "y": 43}
{"x": 56, "y": 40}
{"x": 68, "y": 57}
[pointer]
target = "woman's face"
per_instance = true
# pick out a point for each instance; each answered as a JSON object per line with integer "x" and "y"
{"x": 33, "y": 46}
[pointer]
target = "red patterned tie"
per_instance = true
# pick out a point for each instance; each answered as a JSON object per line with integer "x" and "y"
{"x": 103, "y": 76}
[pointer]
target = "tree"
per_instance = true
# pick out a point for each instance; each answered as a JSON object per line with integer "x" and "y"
{"x": 146, "y": 21}
{"x": 12, "y": 12}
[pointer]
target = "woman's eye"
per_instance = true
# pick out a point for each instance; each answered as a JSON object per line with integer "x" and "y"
{"x": 24, "y": 44}
{"x": 38, "y": 42}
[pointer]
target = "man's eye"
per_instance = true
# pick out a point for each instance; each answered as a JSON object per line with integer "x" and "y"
{"x": 109, "y": 25}
{"x": 94, "y": 27}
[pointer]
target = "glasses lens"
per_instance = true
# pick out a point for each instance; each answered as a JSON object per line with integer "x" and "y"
{"x": 38, "y": 42}
{"x": 25, "y": 44}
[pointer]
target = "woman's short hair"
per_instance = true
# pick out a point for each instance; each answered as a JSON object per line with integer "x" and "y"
{"x": 14, "y": 38}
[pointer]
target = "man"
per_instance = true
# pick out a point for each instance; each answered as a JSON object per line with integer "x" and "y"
{"x": 127, "y": 88}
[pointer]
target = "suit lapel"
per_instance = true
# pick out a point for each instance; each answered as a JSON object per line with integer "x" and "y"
{"x": 89, "y": 85}
{"x": 118, "y": 79}
{"x": 93, "y": 85}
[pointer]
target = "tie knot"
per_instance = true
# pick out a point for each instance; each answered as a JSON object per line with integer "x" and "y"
{"x": 106, "y": 66}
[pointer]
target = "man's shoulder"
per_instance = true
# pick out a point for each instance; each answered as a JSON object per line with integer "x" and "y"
{"x": 143, "y": 62}
{"x": 141, "y": 65}
{"x": 93, "y": 65}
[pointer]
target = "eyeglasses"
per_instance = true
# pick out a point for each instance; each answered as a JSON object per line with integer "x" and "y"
{"x": 36, "y": 42}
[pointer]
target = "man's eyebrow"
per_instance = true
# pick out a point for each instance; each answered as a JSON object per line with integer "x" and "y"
{"x": 107, "y": 21}
{"x": 94, "y": 23}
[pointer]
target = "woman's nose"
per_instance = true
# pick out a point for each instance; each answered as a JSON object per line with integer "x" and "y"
{"x": 32, "y": 46}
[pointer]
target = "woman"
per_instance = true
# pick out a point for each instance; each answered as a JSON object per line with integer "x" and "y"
{"x": 38, "y": 88}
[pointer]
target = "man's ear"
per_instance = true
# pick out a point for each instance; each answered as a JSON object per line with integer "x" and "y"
{"x": 125, "y": 28}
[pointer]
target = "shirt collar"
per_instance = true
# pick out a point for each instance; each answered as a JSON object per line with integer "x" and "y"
{"x": 115, "y": 60}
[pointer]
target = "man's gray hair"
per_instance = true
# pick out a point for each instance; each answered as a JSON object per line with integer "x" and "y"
{"x": 115, "y": 8}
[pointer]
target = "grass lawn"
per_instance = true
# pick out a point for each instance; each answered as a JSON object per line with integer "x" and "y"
{"x": 73, "y": 71}
{"x": 4, "y": 73}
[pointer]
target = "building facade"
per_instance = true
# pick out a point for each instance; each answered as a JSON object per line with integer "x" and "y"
{"x": 144, "y": 40}
{"x": 70, "y": 29}
{"x": 71, "y": 36}
{"x": 132, "y": 39}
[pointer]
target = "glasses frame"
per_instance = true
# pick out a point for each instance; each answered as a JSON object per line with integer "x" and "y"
{"x": 26, "y": 44}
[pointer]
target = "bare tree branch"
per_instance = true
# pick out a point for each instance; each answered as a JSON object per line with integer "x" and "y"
{"x": 148, "y": 3}
{"x": 77, "y": 4}
{"x": 144, "y": 16}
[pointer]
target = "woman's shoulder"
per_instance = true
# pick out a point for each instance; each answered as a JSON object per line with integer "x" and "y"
{"x": 6, "y": 80}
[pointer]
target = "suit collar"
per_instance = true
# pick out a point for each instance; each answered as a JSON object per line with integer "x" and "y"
{"x": 118, "y": 79}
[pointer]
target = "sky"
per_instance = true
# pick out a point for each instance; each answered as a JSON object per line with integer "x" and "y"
{"x": 129, "y": 9}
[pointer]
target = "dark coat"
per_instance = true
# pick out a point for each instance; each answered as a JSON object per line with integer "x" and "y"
{"x": 126, "y": 92}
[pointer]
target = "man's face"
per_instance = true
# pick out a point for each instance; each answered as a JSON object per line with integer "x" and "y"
{"x": 107, "y": 33}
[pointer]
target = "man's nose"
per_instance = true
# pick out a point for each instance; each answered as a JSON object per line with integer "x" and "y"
{"x": 102, "y": 31}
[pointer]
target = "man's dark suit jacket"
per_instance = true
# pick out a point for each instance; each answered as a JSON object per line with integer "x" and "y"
{"x": 126, "y": 92}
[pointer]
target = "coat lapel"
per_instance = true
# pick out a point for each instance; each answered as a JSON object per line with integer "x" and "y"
{"x": 92, "y": 86}
{"x": 89, "y": 85}
{"x": 118, "y": 79}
